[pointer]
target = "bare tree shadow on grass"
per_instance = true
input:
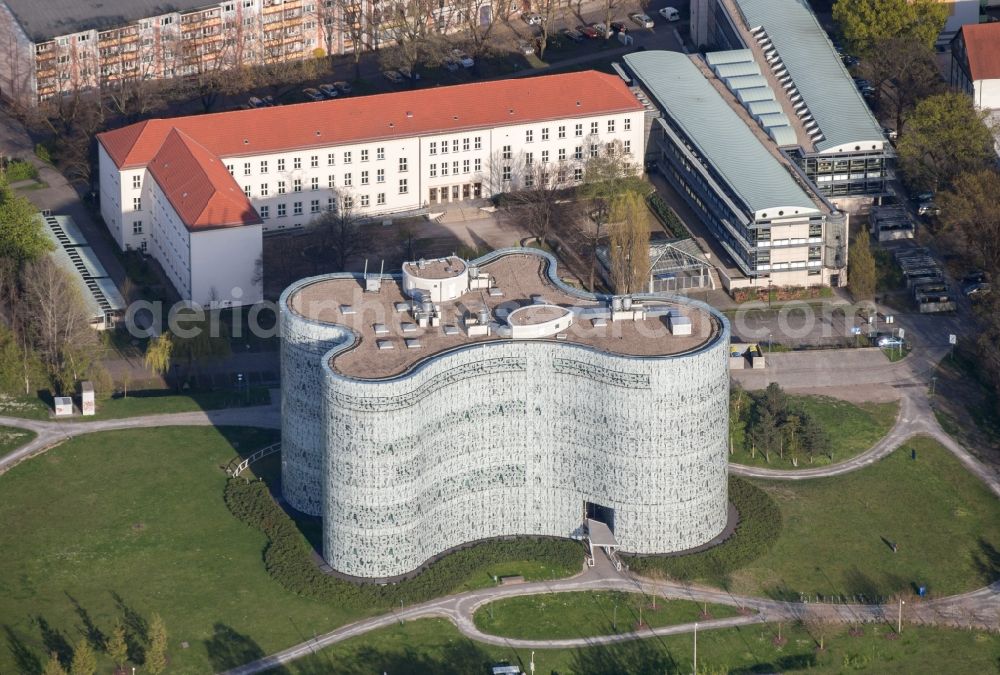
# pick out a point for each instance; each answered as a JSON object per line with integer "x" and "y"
{"x": 228, "y": 649}
{"x": 54, "y": 640}
{"x": 459, "y": 658}
{"x": 136, "y": 630}
{"x": 987, "y": 561}
{"x": 24, "y": 659}
{"x": 94, "y": 636}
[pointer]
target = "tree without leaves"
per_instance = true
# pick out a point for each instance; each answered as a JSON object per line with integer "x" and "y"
{"x": 946, "y": 136}
{"x": 346, "y": 18}
{"x": 481, "y": 34}
{"x": 907, "y": 65}
{"x": 156, "y": 655}
{"x": 866, "y": 23}
{"x": 84, "y": 660}
{"x": 116, "y": 646}
{"x": 342, "y": 233}
{"x": 628, "y": 248}
{"x": 862, "y": 276}
{"x": 538, "y": 197}
{"x": 970, "y": 219}
{"x": 414, "y": 26}
{"x": 58, "y": 323}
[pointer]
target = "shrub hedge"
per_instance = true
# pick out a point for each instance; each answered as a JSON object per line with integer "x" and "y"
{"x": 288, "y": 557}
{"x": 671, "y": 223}
{"x": 758, "y": 529}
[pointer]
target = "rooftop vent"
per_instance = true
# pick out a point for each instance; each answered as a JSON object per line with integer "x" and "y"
{"x": 409, "y": 113}
{"x": 246, "y": 141}
{"x": 384, "y": 344}
{"x": 412, "y": 343}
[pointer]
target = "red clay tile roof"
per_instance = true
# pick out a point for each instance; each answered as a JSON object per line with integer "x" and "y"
{"x": 199, "y": 186}
{"x": 384, "y": 116}
{"x": 982, "y": 43}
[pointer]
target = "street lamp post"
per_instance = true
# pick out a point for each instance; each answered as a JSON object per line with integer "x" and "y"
{"x": 899, "y": 617}
{"x": 695, "y": 658}
{"x": 933, "y": 382}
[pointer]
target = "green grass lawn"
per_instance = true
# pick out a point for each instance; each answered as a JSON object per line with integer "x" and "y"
{"x": 128, "y": 523}
{"x": 435, "y": 646}
{"x": 588, "y": 613}
{"x": 851, "y": 427}
{"x": 12, "y": 438}
{"x": 146, "y": 402}
{"x": 834, "y": 539}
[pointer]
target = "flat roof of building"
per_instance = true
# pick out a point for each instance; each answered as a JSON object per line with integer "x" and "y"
{"x": 72, "y": 254}
{"x": 521, "y": 278}
{"x": 43, "y": 20}
{"x": 816, "y": 70}
{"x": 439, "y": 268}
{"x": 720, "y": 135}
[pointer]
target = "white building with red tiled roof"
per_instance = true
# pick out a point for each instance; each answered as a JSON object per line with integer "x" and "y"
{"x": 975, "y": 63}
{"x": 199, "y": 192}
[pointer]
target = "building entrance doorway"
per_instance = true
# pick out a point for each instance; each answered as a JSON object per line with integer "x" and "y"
{"x": 602, "y": 514}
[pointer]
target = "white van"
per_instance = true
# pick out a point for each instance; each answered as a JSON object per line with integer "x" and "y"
{"x": 670, "y": 14}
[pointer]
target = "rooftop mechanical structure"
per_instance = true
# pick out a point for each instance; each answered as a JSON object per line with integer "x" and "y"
{"x": 462, "y": 400}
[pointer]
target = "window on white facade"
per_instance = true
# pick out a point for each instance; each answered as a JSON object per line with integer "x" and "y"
{"x": 404, "y": 187}
{"x": 545, "y": 156}
{"x": 281, "y": 165}
{"x": 379, "y": 153}
{"x": 593, "y": 127}
{"x": 529, "y": 157}
{"x": 297, "y": 209}
{"x": 454, "y": 168}
{"x": 562, "y": 154}
{"x": 562, "y": 131}
{"x": 330, "y": 182}
{"x": 506, "y": 152}
{"x": 347, "y": 157}
{"x": 529, "y": 136}
{"x": 478, "y": 143}
{"x": 348, "y": 180}
{"x": 402, "y": 164}
{"x": 314, "y": 183}
{"x": 263, "y": 189}
{"x": 506, "y": 173}
{"x": 314, "y": 161}
{"x": 465, "y": 166}
{"x": 628, "y": 124}
{"x": 611, "y": 126}
{"x": 465, "y": 144}
{"x": 281, "y": 210}
{"x": 479, "y": 164}
{"x": 246, "y": 168}
{"x": 281, "y": 187}
{"x": 364, "y": 178}
{"x": 434, "y": 171}
{"x": 380, "y": 176}
{"x": 364, "y": 201}
{"x": 137, "y": 203}
{"x": 348, "y": 203}
{"x": 331, "y": 203}
{"x": 265, "y": 212}
{"x": 364, "y": 155}
{"x": 577, "y": 174}
{"x": 263, "y": 166}
{"x": 444, "y": 168}
{"x": 297, "y": 185}
{"x": 578, "y": 152}
{"x": 594, "y": 150}
{"x": 444, "y": 147}
{"x": 246, "y": 190}
{"x": 142, "y": 245}
{"x": 380, "y": 198}
{"x": 166, "y": 21}
{"x": 136, "y": 182}
{"x": 579, "y": 130}
{"x": 314, "y": 206}
{"x": 432, "y": 149}
{"x": 628, "y": 147}
{"x": 296, "y": 162}
{"x": 136, "y": 227}
{"x": 229, "y": 168}
{"x": 545, "y": 134}
{"x": 529, "y": 180}
{"x": 454, "y": 145}
{"x": 329, "y": 159}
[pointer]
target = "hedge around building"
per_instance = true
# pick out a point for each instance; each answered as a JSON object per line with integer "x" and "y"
{"x": 758, "y": 529}
{"x": 289, "y": 558}
{"x": 671, "y": 223}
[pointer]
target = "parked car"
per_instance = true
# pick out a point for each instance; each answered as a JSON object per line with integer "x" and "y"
{"x": 256, "y": 102}
{"x": 670, "y": 14}
{"x": 574, "y": 35}
{"x": 601, "y": 29}
{"x": 850, "y": 61}
{"x": 923, "y": 197}
{"x": 619, "y": 27}
{"x": 462, "y": 58}
{"x": 329, "y": 90}
{"x": 525, "y": 47}
{"x": 885, "y": 342}
{"x": 928, "y": 209}
{"x": 891, "y": 134}
{"x": 588, "y": 32}
{"x": 976, "y": 289}
{"x": 533, "y": 19}
{"x": 450, "y": 64}
{"x": 343, "y": 87}
{"x": 313, "y": 94}
{"x": 975, "y": 277}
{"x": 269, "y": 100}
{"x": 642, "y": 20}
